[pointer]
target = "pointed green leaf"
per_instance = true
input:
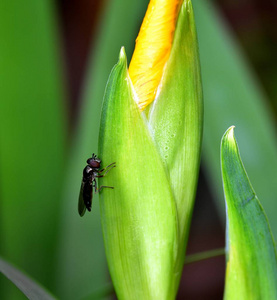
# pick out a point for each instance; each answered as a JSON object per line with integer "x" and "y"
{"x": 176, "y": 117}
{"x": 138, "y": 215}
{"x": 252, "y": 261}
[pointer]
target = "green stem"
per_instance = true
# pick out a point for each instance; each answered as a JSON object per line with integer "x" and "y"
{"x": 204, "y": 255}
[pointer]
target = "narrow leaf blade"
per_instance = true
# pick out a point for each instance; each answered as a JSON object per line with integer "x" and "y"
{"x": 28, "y": 287}
{"x": 252, "y": 261}
{"x": 32, "y": 138}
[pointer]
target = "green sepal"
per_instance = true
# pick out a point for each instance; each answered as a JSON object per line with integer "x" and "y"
{"x": 176, "y": 117}
{"x": 251, "y": 254}
{"x": 139, "y": 215}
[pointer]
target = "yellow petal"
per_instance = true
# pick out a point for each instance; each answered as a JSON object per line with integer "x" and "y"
{"x": 152, "y": 49}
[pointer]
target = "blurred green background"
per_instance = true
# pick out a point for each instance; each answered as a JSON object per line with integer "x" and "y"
{"x": 55, "y": 59}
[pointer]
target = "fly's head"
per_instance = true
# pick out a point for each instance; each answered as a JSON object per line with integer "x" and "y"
{"x": 94, "y": 162}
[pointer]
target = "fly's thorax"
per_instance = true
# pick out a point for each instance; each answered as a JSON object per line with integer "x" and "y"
{"x": 88, "y": 172}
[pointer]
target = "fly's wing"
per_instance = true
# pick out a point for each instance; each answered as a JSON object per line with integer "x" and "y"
{"x": 81, "y": 203}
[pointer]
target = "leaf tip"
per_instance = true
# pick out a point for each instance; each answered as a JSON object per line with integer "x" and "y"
{"x": 122, "y": 59}
{"x": 229, "y": 136}
{"x": 230, "y": 132}
{"x": 122, "y": 54}
{"x": 120, "y": 66}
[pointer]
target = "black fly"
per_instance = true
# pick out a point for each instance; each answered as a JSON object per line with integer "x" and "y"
{"x": 90, "y": 172}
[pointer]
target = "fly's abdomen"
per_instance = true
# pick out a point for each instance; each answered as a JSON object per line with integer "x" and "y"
{"x": 87, "y": 195}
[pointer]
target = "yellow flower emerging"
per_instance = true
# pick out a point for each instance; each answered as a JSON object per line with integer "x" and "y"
{"x": 152, "y": 49}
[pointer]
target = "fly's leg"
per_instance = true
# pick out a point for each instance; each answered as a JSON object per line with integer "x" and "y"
{"x": 104, "y": 186}
{"x": 97, "y": 190}
{"x": 107, "y": 169}
{"x": 94, "y": 185}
